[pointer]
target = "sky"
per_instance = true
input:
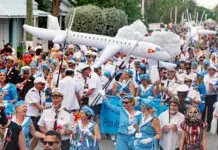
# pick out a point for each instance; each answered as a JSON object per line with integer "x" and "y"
{"x": 207, "y": 3}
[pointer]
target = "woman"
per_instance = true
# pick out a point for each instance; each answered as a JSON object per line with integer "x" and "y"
{"x": 8, "y": 89}
{"x": 25, "y": 122}
{"x": 193, "y": 131}
{"x": 149, "y": 131}
{"x": 87, "y": 133}
{"x": 128, "y": 85}
{"x": 129, "y": 119}
{"x": 117, "y": 85}
{"x": 145, "y": 89}
{"x": 201, "y": 89}
{"x": 11, "y": 134}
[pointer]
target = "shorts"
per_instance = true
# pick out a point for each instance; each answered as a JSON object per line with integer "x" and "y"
{"x": 35, "y": 121}
{"x": 97, "y": 109}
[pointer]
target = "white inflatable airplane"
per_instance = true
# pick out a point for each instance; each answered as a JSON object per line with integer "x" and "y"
{"x": 130, "y": 39}
{"x": 194, "y": 32}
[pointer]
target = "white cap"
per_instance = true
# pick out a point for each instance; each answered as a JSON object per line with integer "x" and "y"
{"x": 39, "y": 80}
{"x": 10, "y": 58}
{"x": 82, "y": 66}
{"x": 72, "y": 61}
{"x": 187, "y": 77}
{"x": 70, "y": 46}
{"x": 182, "y": 88}
{"x": 212, "y": 67}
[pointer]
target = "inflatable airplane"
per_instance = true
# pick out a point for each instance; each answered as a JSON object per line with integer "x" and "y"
{"x": 194, "y": 32}
{"x": 161, "y": 47}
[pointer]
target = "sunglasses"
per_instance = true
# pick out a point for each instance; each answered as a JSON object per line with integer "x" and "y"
{"x": 188, "y": 68}
{"x": 125, "y": 102}
{"x": 50, "y": 143}
{"x": 88, "y": 56}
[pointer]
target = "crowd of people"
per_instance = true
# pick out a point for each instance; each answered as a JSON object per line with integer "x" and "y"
{"x": 45, "y": 91}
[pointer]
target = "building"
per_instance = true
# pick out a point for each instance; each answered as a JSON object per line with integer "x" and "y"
{"x": 12, "y": 18}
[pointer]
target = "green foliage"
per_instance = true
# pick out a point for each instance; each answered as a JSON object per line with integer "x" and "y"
{"x": 92, "y": 19}
{"x": 115, "y": 19}
{"x": 130, "y": 7}
{"x": 88, "y": 19}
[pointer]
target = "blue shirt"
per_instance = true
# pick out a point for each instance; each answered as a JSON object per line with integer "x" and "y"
{"x": 10, "y": 92}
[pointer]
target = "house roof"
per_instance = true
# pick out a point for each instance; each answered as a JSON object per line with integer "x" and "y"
{"x": 17, "y": 9}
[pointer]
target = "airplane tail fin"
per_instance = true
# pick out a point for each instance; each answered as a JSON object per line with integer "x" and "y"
{"x": 53, "y": 23}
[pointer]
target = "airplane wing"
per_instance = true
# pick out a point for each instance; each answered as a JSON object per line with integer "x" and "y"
{"x": 135, "y": 31}
{"x": 168, "y": 41}
{"x": 108, "y": 52}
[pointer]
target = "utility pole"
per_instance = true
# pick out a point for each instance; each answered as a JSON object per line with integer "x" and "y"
{"x": 143, "y": 10}
{"x": 29, "y": 17}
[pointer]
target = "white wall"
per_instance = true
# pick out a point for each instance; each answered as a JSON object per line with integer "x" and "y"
{"x": 4, "y": 32}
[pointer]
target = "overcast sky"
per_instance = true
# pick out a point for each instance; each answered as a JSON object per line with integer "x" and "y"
{"x": 207, "y": 3}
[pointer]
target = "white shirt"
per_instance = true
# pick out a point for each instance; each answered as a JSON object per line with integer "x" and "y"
{"x": 170, "y": 140}
{"x": 194, "y": 94}
{"x": 94, "y": 82}
{"x": 64, "y": 120}
{"x": 32, "y": 97}
{"x": 171, "y": 85}
{"x": 68, "y": 87}
{"x": 210, "y": 80}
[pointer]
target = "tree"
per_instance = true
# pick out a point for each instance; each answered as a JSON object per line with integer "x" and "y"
{"x": 130, "y": 7}
{"x": 88, "y": 19}
{"x": 55, "y": 7}
{"x": 115, "y": 19}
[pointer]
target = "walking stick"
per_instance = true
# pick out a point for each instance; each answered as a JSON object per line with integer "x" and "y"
{"x": 97, "y": 98}
{"x": 64, "y": 45}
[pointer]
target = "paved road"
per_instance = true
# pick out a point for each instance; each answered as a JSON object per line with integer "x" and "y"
{"x": 212, "y": 142}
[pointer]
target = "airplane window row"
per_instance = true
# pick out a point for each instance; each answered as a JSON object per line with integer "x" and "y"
{"x": 102, "y": 39}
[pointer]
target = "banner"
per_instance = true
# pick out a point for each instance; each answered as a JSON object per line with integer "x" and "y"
{"x": 109, "y": 120}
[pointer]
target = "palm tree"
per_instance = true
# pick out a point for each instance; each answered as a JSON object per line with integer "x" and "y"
{"x": 55, "y": 7}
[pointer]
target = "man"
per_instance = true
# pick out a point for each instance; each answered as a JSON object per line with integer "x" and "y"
{"x": 170, "y": 121}
{"x": 26, "y": 82}
{"x": 35, "y": 99}
{"x": 182, "y": 92}
{"x": 52, "y": 140}
{"x": 70, "y": 90}
{"x": 57, "y": 118}
{"x": 193, "y": 95}
{"x": 169, "y": 85}
{"x": 210, "y": 81}
{"x": 94, "y": 86}
{"x": 12, "y": 73}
